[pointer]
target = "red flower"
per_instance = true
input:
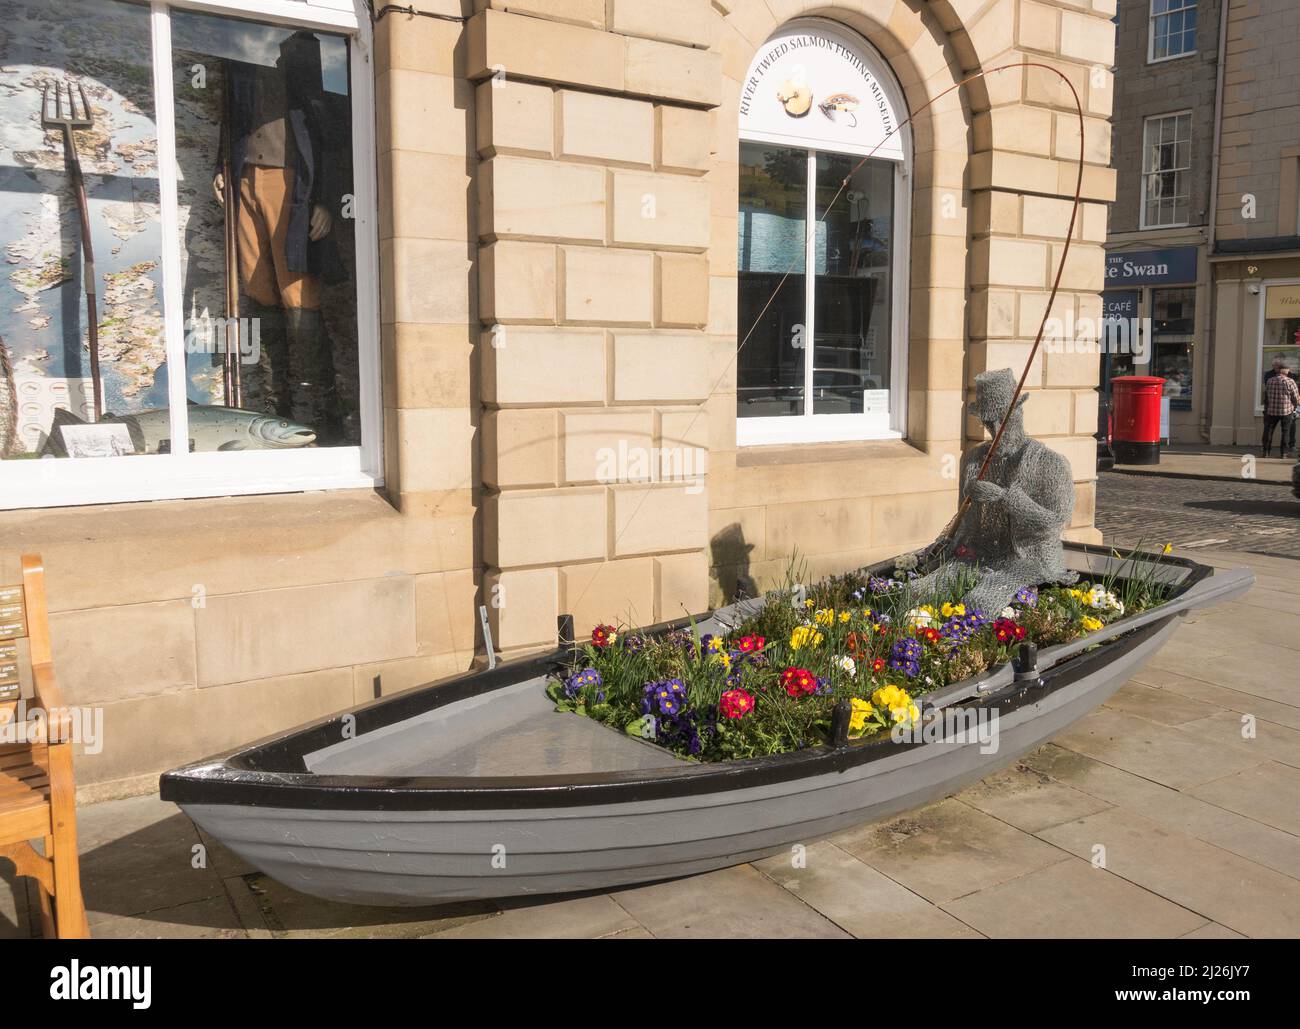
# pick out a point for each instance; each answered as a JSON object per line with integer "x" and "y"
{"x": 1005, "y": 630}
{"x": 878, "y": 665}
{"x": 602, "y": 636}
{"x": 750, "y": 644}
{"x": 929, "y": 635}
{"x": 964, "y": 551}
{"x": 735, "y": 703}
{"x": 798, "y": 681}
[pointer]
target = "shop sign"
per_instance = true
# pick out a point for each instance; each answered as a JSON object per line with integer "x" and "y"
{"x": 1119, "y": 305}
{"x": 1151, "y": 267}
{"x": 1282, "y": 302}
{"x": 810, "y": 87}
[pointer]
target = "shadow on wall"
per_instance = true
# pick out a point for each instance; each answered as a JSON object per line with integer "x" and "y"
{"x": 729, "y": 561}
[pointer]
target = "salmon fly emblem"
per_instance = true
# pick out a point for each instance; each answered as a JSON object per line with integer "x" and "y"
{"x": 795, "y": 97}
{"x": 841, "y": 104}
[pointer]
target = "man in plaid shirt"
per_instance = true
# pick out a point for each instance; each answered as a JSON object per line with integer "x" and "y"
{"x": 1281, "y": 398}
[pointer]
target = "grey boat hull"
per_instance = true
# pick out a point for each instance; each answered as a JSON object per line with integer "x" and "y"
{"x": 412, "y": 840}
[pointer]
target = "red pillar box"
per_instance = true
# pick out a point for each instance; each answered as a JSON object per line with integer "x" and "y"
{"x": 1135, "y": 414}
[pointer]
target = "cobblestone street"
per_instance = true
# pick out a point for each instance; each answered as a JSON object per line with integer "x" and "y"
{"x": 1249, "y": 515}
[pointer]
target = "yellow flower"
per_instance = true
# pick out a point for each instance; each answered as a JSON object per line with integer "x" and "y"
{"x": 824, "y": 616}
{"x": 807, "y": 603}
{"x": 1168, "y": 549}
{"x": 949, "y": 610}
{"x": 898, "y": 703}
{"x": 1091, "y": 624}
{"x": 845, "y": 616}
{"x": 861, "y": 710}
{"x": 715, "y": 644}
{"x": 723, "y": 658}
{"x": 1077, "y": 594}
{"x": 804, "y": 635}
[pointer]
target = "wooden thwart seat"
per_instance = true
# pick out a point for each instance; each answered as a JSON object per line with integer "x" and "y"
{"x": 37, "y": 790}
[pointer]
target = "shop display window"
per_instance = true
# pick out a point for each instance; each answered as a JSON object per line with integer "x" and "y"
{"x": 1173, "y": 322}
{"x": 190, "y": 302}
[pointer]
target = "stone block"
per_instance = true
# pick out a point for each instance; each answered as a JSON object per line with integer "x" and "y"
{"x": 525, "y": 198}
{"x": 523, "y": 607}
{"x": 107, "y": 654}
{"x": 666, "y": 71}
{"x": 608, "y": 446}
{"x": 604, "y": 286}
{"x": 515, "y": 118}
{"x": 683, "y": 290}
{"x": 610, "y": 129}
{"x": 525, "y": 365}
{"x": 608, "y": 592}
{"x": 544, "y": 527}
{"x": 682, "y": 585}
{"x": 659, "y": 518}
{"x": 660, "y": 367}
{"x": 281, "y": 632}
{"x": 660, "y": 210}
{"x": 683, "y": 136}
{"x": 520, "y": 447}
{"x": 549, "y": 51}
{"x": 517, "y": 282}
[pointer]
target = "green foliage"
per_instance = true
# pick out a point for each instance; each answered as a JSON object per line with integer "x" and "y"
{"x": 770, "y": 686}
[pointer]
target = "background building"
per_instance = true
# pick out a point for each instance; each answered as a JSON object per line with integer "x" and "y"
{"x": 557, "y": 215}
{"x": 1202, "y": 237}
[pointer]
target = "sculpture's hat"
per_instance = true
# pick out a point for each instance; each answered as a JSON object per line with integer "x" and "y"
{"x": 993, "y": 393}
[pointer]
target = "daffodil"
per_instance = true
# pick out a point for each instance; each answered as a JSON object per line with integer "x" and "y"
{"x": 948, "y": 610}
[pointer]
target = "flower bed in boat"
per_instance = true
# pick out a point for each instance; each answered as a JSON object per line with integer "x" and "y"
{"x": 770, "y": 685}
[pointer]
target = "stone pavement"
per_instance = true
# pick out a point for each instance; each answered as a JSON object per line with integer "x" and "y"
{"x": 1202, "y": 462}
{"x": 1196, "y": 830}
{"x": 1253, "y": 515}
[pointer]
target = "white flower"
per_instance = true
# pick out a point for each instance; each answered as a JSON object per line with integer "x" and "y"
{"x": 1008, "y": 612}
{"x": 919, "y": 619}
{"x": 906, "y": 563}
{"x": 849, "y": 665}
{"x": 1102, "y": 599}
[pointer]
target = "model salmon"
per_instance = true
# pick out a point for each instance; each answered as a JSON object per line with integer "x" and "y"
{"x": 211, "y": 427}
{"x": 840, "y": 103}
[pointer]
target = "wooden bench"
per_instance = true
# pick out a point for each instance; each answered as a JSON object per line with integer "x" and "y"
{"x": 37, "y": 790}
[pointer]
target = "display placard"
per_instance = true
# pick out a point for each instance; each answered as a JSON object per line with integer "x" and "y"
{"x": 810, "y": 87}
{"x": 13, "y": 623}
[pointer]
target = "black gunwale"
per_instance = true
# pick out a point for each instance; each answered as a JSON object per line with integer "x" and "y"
{"x": 272, "y": 772}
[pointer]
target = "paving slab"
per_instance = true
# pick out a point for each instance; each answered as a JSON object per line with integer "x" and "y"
{"x": 137, "y": 856}
{"x": 1268, "y": 793}
{"x": 948, "y": 850}
{"x": 1226, "y": 888}
{"x": 1183, "y": 812}
{"x": 579, "y": 918}
{"x": 1072, "y": 899}
{"x": 1156, "y": 705}
{"x": 292, "y": 915}
{"x": 14, "y": 924}
{"x": 859, "y": 898}
{"x": 1222, "y": 697}
{"x": 1028, "y": 799}
{"x": 210, "y": 919}
{"x": 1260, "y": 669}
{"x": 1157, "y": 752}
{"x": 1266, "y": 739}
{"x": 1212, "y": 931}
{"x": 731, "y": 903}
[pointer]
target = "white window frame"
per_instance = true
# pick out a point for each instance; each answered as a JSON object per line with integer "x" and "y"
{"x": 1153, "y": 17}
{"x": 1142, "y": 211}
{"x": 809, "y": 427}
{"x": 1259, "y": 338}
{"x": 183, "y": 475}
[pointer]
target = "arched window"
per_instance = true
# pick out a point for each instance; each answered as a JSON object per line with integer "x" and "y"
{"x": 823, "y": 270}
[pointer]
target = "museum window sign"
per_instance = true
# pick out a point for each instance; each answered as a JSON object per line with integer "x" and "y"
{"x": 822, "y": 290}
{"x": 190, "y": 303}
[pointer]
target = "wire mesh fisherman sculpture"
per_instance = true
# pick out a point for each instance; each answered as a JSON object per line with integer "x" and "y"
{"x": 1010, "y": 533}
